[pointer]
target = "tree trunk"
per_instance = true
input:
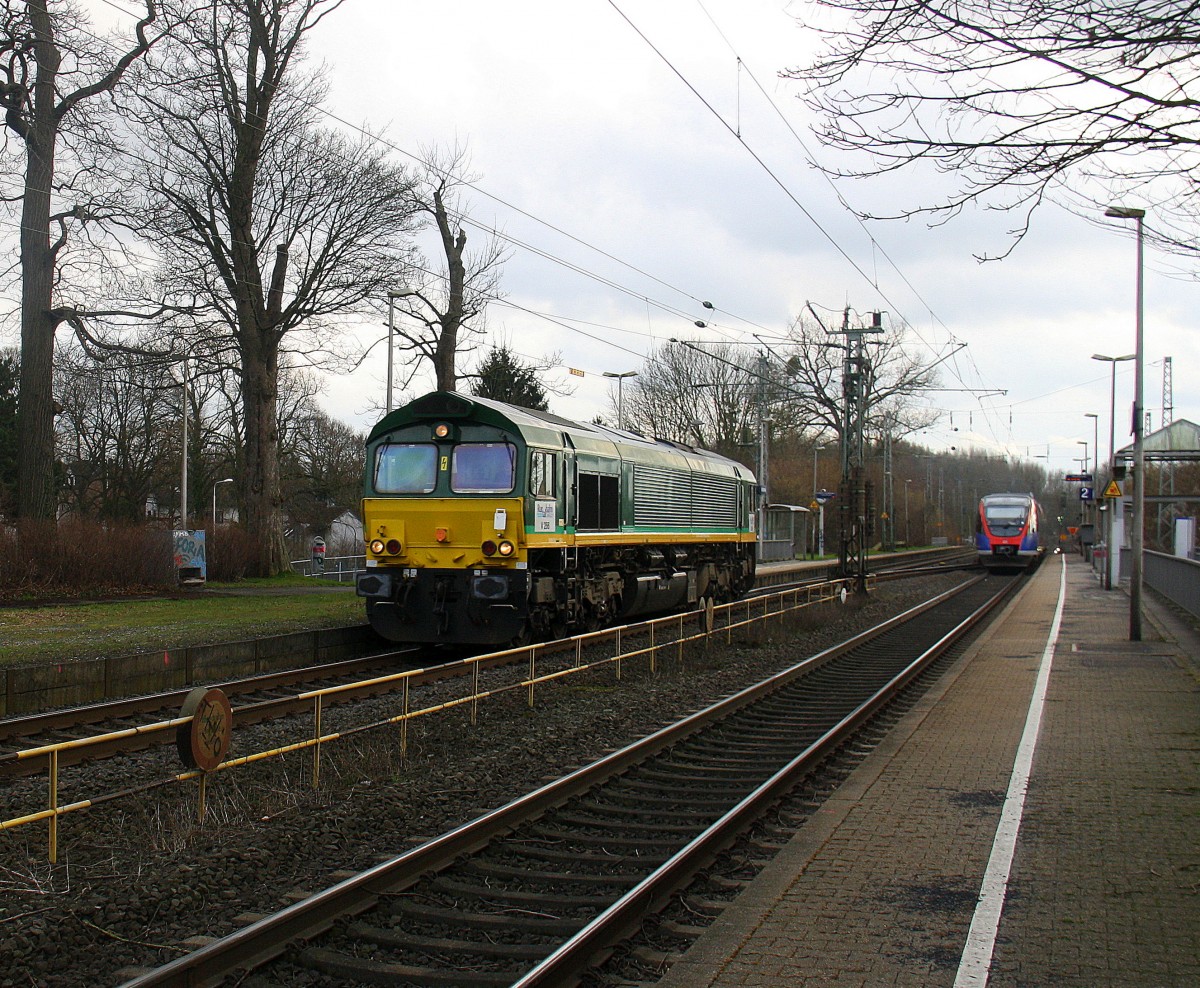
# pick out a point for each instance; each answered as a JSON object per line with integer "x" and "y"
{"x": 451, "y": 322}
{"x": 35, "y": 410}
{"x": 260, "y": 484}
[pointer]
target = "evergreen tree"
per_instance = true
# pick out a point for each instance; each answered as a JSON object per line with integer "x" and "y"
{"x": 502, "y": 377}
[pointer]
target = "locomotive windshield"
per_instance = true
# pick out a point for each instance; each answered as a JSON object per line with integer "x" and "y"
{"x": 483, "y": 468}
{"x": 1006, "y": 519}
{"x": 406, "y": 468}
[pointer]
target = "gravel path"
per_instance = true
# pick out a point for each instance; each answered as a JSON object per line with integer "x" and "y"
{"x": 138, "y": 877}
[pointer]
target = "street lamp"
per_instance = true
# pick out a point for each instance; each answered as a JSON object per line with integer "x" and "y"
{"x": 391, "y": 297}
{"x": 1112, "y": 424}
{"x": 227, "y": 480}
{"x": 620, "y": 380}
{"x": 1139, "y": 464}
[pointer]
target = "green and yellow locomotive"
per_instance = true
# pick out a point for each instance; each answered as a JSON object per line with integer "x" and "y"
{"x": 489, "y": 524}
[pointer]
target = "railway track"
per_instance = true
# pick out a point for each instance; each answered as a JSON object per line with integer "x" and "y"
{"x": 138, "y": 723}
{"x": 531, "y": 893}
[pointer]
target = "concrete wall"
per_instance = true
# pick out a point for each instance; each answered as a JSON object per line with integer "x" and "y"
{"x": 68, "y": 684}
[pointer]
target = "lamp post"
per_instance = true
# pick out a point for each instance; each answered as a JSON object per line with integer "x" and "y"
{"x": 1083, "y": 512}
{"x": 227, "y": 480}
{"x": 1139, "y": 479}
{"x": 620, "y": 380}
{"x": 1112, "y": 426}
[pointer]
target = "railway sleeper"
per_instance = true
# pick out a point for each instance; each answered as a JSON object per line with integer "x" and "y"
{"x": 505, "y": 870}
{"x": 653, "y": 827}
{"x": 723, "y": 798}
{"x": 570, "y": 854}
{"x": 366, "y": 971}
{"x": 603, "y": 838}
{"x": 523, "y": 919}
{"x": 521, "y": 898}
{"x": 491, "y": 949}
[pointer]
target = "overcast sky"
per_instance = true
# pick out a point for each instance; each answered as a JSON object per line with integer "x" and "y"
{"x": 571, "y": 117}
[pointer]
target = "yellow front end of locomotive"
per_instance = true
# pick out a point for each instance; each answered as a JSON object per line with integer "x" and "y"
{"x": 444, "y": 533}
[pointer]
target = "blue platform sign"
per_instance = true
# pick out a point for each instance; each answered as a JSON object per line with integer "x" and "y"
{"x": 1087, "y": 494}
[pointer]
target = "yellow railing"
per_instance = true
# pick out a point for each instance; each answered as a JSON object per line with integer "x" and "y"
{"x": 712, "y": 620}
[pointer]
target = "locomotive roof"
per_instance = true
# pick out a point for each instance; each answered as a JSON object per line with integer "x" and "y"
{"x": 547, "y": 428}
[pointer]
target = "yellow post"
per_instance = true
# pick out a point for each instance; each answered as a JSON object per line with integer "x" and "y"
{"x": 404, "y": 723}
{"x": 474, "y": 694}
{"x": 54, "y": 806}
{"x": 653, "y": 650}
{"x": 532, "y": 673}
{"x": 618, "y": 653}
{"x": 316, "y": 768}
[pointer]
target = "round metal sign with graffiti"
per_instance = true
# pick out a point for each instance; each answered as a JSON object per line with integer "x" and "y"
{"x": 204, "y": 741}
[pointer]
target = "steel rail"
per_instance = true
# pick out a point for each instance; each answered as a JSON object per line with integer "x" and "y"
{"x": 265, "y": 939}
{"x": 625, "y": 915}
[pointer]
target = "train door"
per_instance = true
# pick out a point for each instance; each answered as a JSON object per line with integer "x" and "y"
{"x": 570, "y": 488}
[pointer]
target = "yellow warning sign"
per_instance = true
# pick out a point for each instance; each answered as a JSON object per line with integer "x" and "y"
{"x": 1113, "y": 489}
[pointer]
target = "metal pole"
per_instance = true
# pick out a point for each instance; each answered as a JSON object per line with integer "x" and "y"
{"x": 183, "y": 507}
{"x": 1112, "y": 470}
{"x": 1139, "y": 457}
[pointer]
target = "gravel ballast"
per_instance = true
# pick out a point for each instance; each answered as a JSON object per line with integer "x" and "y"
{"x": 139, "y": 876}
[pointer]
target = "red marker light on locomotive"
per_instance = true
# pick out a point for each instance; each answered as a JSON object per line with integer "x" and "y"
{"x": 489, "y": 548}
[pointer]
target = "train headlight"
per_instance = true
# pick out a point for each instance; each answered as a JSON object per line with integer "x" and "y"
{"x": 507, "y": 548}
{"x": 377, "y": 546}
{"x": 488, "y": 548}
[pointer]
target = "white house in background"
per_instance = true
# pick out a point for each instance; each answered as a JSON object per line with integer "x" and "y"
{"x": 345, "y": 536}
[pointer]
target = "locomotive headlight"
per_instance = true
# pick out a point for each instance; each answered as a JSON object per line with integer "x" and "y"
{"x": 377, "y": 546}
{"x": 394, "y": 547}
{"x": 488, "y": 548}
{"x": 507, "y": 548}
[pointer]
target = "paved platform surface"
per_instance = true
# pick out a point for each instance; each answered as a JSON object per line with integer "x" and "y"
{"x": 880, "y": 887}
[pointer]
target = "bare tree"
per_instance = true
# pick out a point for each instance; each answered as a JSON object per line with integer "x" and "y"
{"x": 700, "y": 394}
{"x": 50, "y": 68}
{"x": 273, "y": 224}
{"x": 323, "y": 467}
{"x": 1017, "y": 102}
{"x": 447, "y": 303}
{"x": 118, "y": 433}
{"x": 814, "y": 369}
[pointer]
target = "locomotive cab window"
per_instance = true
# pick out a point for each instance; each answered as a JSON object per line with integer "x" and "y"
{"x": 483, "y": 468}
{"x": 406, "y": 468}
{"x": 1005, "y": 519}
{"x": 541, "y": 473}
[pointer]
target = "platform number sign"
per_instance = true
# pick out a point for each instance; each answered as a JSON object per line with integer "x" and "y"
{"x": 1087, "y": 494}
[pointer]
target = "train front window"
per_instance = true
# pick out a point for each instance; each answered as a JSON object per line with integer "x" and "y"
{"x": 1005, "y": 519}
{"x": 483, "y": 468}
{"x": 405, "y": 468}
